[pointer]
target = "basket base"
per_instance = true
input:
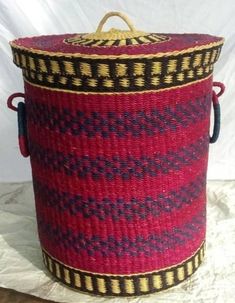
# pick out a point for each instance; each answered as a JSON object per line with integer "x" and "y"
{"x": 124, "y": 285}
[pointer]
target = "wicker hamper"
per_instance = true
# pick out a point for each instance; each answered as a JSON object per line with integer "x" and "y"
{"x": 117, "y": 126}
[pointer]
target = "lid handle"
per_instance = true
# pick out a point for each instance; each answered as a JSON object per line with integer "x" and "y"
{"x": 118, "y": 14}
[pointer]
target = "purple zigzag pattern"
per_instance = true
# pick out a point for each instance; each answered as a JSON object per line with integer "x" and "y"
{"x": 120, "y": 208}
{"x": 124, "y": 168}
{"x": 79, "y": 242}
{"x": 136, "y": 124}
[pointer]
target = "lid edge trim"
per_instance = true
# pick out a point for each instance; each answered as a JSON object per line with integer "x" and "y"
{"x": 122, "y": 56}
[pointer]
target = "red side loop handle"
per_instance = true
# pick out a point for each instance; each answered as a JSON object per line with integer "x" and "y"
{"x": 22, "y": 128}
{"x": 11, "y": 98}
{"x": 221, "y": 86}
{"x": 217, "y": 114}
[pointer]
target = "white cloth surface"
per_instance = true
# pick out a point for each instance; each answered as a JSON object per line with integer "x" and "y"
{"x": 20, "y": 18}
{"x": 21, "y": 266}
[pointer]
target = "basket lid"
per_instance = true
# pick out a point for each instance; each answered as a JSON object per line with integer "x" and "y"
{"x": 115, "y": 42}
{"x": 116, "y": 60}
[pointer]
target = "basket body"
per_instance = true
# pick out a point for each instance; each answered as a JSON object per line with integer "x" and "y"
{"x": 119, "y": 152}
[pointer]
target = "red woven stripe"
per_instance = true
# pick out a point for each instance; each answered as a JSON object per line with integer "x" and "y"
{"x": 116, "y": 188}
{"x": 160, "y": 144}
{"x": 123, "y": 146}
{"x": 136, "y": 226}
{"x": 54, "y": 43}
{"x": 125, "y": 264}
{"x": 129, "y": 265}
{"x": 89, "y": 206}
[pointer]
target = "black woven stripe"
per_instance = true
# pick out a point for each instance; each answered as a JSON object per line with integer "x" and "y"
{"x": 103, "y": 43}
{"x": 91, "y": 43}
{"x": 150, "y": 39}
{"x": 45, "y": 260}
{"x": 139, "y": 41}
{"x": 112, "y": 72}
{"x": 209, "y": 58}
{"x": 116, "y": 42}
{"x": 94, "y": 283}
{"x": 27, "y": 63}
{"x": 83, "y": 284}
{"x": 76, "y": 60}
{"x": 148, "y": 75}
{"x": 108, "y": 286}
{"x": 192, "y": 56}
{"x": 116, "y": 167}
{"x": 121, "y": 279}
{"x": 150, "y": 280}
{"x": 122, "y": 125}
{"x": 128, "y": 41}
{"x": 117, "y": 209}
{"x": 83, "y": 40}
{"x": 122, "y": 285}
{"x": 115, "y": 78}
{"x": 100, "y": 88}
{"x": 125, "y": 246}
{"x": 53, "y": 268}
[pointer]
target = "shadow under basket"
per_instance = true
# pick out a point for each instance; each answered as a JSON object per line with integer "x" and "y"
{"x": 117, "y": 127}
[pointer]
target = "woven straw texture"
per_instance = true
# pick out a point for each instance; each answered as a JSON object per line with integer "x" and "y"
{"x": 117, "y": 127}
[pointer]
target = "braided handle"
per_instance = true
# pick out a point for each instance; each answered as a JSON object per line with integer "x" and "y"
{"x": 22, "y": 128}
{"x": 117, "y": 14}
{"x": 217, "y": 114}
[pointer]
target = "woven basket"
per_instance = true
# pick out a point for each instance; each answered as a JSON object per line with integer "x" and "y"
{"x": 117, "y": 125}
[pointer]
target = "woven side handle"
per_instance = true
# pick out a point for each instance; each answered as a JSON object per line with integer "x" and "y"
{"x": 22, "y": 124}
{"x": 216, "y": 107}
{"x": 117, "y": 14}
